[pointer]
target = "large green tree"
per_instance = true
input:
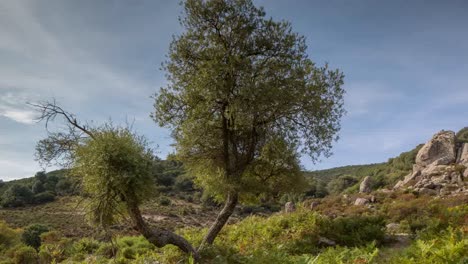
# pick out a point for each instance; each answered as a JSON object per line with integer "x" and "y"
{"x": 116, "y": 167}
{"x": 243, "y": 101}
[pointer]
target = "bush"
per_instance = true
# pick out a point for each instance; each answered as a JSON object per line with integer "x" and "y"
{"x": 41, "y": 176}
{"x": 32, "y": 235}
{"x": 346, "y": 255}
{"x": 25, "y": 255}
{"x": 16, "y": 195}
{"x": 8, "y": 237}
{"x": 356, "y": 230}
{"x": 44, "y": 197}
{"x": 54, "y": 248}
{"x": 64, "y": 186}
{"x": 164, "y": 201}
{"x": 450, "y": 246}
{"x": 462, "y": 135}
{"x": 86, "y": 246}
{"x": 131, "y": 247}
{"x": 38, "y": 187}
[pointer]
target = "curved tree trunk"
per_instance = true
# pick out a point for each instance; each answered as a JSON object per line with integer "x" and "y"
{"x": 221, "y": 220}
{"x": 160, "y": 237}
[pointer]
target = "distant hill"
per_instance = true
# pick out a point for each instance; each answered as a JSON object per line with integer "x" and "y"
{"x": 347, "y": 178}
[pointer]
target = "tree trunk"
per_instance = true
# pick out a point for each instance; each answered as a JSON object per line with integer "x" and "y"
{"x": 160, "y": 237}
{"x": 221, "y": 220}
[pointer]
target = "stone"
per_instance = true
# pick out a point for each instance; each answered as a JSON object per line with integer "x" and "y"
{"x": 372, "y": 199}
{"x": 427, "y": 191}
{"x": 361, "y": 201}
{"x": 462, "y": 155}
{"x": 326, "y": 241}
{"x": 365, "y": 186}
{"x": 440, "y": 148}
{"x": 289, "y": 207}
{"x": 393, "y": 228}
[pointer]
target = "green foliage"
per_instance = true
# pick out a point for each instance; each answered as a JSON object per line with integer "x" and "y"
{"x": 8, "y": 237}
{"x": 450, "y": 246}
{"x": 131, "y": 247}
{"x": 382, "y": 174}
{"x": 25, "y": 255}
{"x": 116, "y": 166}
{"x": 41, "y": 176}
{"x": 164, "y": 201}
{"x": 17, "y": 195}
{"x": 38, "y": 187}
{"x": 244, "y": 98}
{"x": 341, "y": 183}
{"x": 32, "y": 235}
{"x": 345, "y": 255}
{"x": 44, "y": 197}
{"x": 356, "y": 230}
{"x": 462, "y": 135}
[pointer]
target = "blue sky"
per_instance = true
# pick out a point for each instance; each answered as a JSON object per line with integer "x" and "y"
{"x": 406, "y": 67}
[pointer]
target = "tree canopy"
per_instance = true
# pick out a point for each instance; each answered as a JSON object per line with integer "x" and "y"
{"x": 244, "y": 100}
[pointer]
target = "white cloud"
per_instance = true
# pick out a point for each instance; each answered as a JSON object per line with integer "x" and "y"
{"x": 21, "y": 116}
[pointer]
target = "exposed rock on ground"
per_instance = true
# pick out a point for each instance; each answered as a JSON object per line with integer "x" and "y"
{"x": 365, "y": 186}
{"x": 361, "y": 201}
{"x": 440, "y": 167}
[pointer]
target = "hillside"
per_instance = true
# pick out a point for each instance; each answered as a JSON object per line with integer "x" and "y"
{"x": 332, "y": 222}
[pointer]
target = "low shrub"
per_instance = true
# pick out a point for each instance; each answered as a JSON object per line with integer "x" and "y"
{"x": 25, "y": 255}
{"x": 9, "y": 237}
{"x": 44, "y": 197}
{"x": 32, "y": 235}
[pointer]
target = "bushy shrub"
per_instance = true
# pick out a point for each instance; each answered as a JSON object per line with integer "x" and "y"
{"x": 54, "y": 247}
{"x": 341, "y": 183}
{"x": 25, "y": 255}
{"x": 44, "y": 197}
{"x": 16, "y": 195}
{"x": 38, "y": 187}
{"x": 356, "y": 230}
{"x": 345, "y": 255}
{"x": 450, "y": 246}
{"x": 8, "y": 237}
{"x": 462, "y": 135}
{"x": 86, "y": 246}
{"x": 164, "y": 201}
{"x": 64, "y": 187}
{"x": 131, "y": 247}
{"x": 41, "y": 176}
{"x": 32, "y": 235}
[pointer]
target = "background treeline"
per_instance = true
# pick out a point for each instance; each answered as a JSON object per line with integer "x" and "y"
{"x": 171, "y": 179}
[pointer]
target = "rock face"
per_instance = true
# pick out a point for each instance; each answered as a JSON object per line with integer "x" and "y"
{"x": 289, "y": 207}
{"x": 365, "y": 186}
{"x": 440, "y": 167}
{"x": 440, "y": 149}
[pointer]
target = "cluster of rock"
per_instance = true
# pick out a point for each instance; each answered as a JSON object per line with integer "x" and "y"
{"x": 440, "y": 167}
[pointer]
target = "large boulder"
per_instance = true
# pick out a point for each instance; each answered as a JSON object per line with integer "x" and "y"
{"x": 365, "y": 186}
{"x": 440, "y": 166}
{"x": 440, "y": 149}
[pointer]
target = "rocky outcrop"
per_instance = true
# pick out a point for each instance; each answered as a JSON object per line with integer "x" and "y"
{"x": 440, "y": 167}
{"x": 365, "y": 186}
{"x": 440, "y": 149}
